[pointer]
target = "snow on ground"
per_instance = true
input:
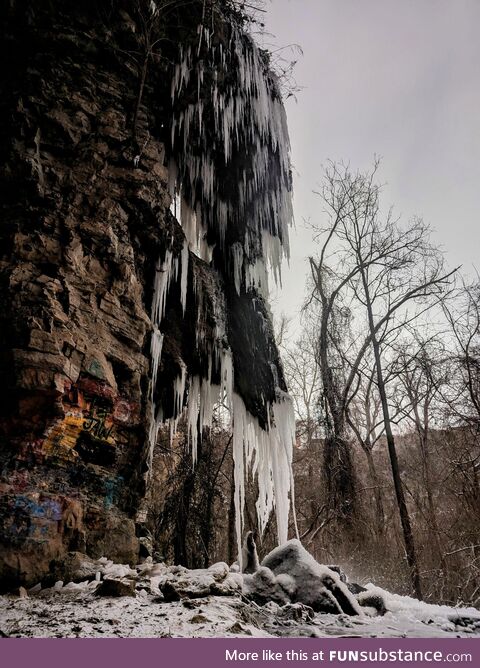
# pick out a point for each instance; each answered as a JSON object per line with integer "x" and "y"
{"x": 75, "y": 610}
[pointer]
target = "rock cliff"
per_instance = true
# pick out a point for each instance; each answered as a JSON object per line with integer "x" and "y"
{"x": 111, "y": 312}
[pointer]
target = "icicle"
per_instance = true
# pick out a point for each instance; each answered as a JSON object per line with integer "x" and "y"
{"x": 156, "y": 419}
{"x": 269, "y": 454}
{"x": 237, "y": 258}
{"x": 256, "y": 276}
{"x": 184, "y": 276}
{"x": 179, "y": 390}
{"x": 164, "y": 273}
{"x": 226, "y": 376}
{"x": 239, "y": 430}
{"x": 193, "y": 410}
{"x": 273, "y": 252}
{"x": 163, "y": 276}
{"x": 156, "y": 354}
{"x": 281, "y": 456}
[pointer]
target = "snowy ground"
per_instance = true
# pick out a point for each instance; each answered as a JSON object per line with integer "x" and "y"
{"x": 75, "y": 610}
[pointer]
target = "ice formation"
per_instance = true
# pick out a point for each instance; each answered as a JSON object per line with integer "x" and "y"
{"x": 166, "y": 270}
{"x": 229, "y": 176}
{"x": 267, "y": 453}
{"x": 247, "y": 141}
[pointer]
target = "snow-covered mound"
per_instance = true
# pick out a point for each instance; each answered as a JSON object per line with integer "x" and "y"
{"x": 308, "y": 581}
{"x": 154, "y": 600}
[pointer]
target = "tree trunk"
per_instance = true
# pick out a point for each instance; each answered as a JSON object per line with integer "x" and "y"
{"x": 392, "y": 452}
{"x": 380, "y": 512}
{"x": 339, "y": 478}
{"x": 338, "y": 466}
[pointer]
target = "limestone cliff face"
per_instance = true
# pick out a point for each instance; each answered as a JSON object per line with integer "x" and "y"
{"x": 85, "y": 218}
{"x": 79, "y": 227}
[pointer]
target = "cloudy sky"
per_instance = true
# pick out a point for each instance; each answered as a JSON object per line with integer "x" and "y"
{"x": 396, "y": 78}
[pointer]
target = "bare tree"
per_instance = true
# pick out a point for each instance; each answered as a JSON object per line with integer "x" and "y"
{"x": 464, "y": 320}
{"x": 393, "y": 275}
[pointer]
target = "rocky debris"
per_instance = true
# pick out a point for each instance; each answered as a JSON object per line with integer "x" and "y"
{"x": 219, "y": 571}
{"x": 178, "y": 583}
{"x": 232, "y": 585}
{"x": 239, "y": 629}
{"x": 146, "y": 547}
{"x": 77, "y": 567}
{"x": 145, "y": 539}
{"x": 465, "y": 622}
{"x": 83, "y": 609}
{"x": 297, "y": 584}
{"x": 199, "y": 619}
{"x": 116, "y": 588}
{"x": 297, "y": 612}
{"x": 111, "y": 570}
{"x": 191, "y": 604}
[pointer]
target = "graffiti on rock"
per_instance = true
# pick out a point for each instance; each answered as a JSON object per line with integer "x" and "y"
{"x": 86, "y": 431}
{"x": 98, "y": 422}
{"x": 38, "y": 517}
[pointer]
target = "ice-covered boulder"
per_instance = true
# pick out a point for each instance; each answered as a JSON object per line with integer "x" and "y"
{"x": 314, "y": 585}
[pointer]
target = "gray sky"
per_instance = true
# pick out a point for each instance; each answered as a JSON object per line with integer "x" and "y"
{"x": 396, "y": 78}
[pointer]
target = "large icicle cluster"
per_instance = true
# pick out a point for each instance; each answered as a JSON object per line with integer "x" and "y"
{"x": 230, "y": 154}
{"x": 166, "y": 270}
{"x": 230, "y": 180}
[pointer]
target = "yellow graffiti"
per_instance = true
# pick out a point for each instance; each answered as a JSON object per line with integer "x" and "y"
{"x": 63, "y": 436}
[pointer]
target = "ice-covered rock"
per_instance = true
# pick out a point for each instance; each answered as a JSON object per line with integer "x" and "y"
{"x": 178, "y": 582}
{"x": 262, "y": 587}
{"x": 231, "y": 586}
{"x": 116, "y": 588}
{"x": 315, "y": 585}
{"x": 372, "y": 600}
{"x": 219, "y": 571}
{"x": 77, "y": 586}
{"x": 21, "y": 592}
{"x": 117, "y": 571}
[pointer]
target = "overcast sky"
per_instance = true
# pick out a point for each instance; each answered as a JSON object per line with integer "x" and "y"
{"x": 396, "y": 78}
